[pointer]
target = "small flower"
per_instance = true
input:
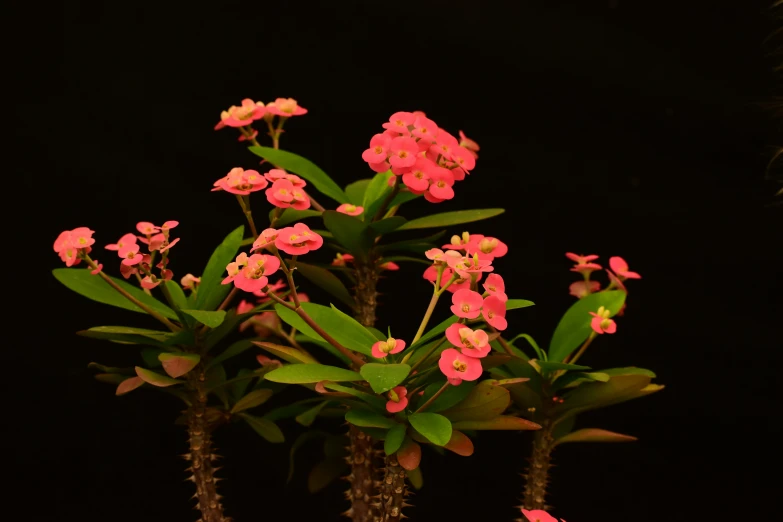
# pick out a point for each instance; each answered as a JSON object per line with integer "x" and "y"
{"x": 466, "y": 304}
{"x": 150, "y": 281}
{"x": 190, "y": 282}
{"x": 615, "y": 281}
{"x": 582, "y": 289}
{"x": 284, "y": 194}
{"x": 298, "y": 240}
{"x": 464, "y": 159}
{"x": 458, "y": 366}
{"x": 388, "y": 265}
{"x": 98, "y": 268}
{"x": 130, "y": 254}
{"x": 124, "y": 240}
{"x": 601, "y": 323}
{"x": 425, "y": 129}
{"x": 474, "y": 343}
{"x": 403, "y": 152}
{"x": 379, "y": 149}
{"x": 399, "y": 123}
{"x": 468, "y": 144}
{"x": 397, "y": 399}
{"x": 342, "y": 259}
{"x": 580, "y": 259}
{"x": 441, "y": 183}
{"x": 254, "y": 274}
{"x": 435, "y": 254}
{"x": 147, "y": 228}
{"x": 351, "y": 210}
{"x": 243, "y": 115}
{"x": 494, "y": 312}
{"x": 235, "y": 267}
{"x": 285, "y": 107}
{"x": 275, "y": 174}
{"x": 494, "y": 285}
{"x": 459, "y": 242}
{"x": 418, "y": 178}
{"x": 467, "y": 265}
{"x": 241, "y": 182}
{"x": 168, "y": 225}
{"x": 244, "y": 307}
{"x": 538, "y": 515}
{"x": 486, "y": 247}
{"x": 620, "y": 267}
{"x": 383, "y": 348}
{"x": 265, "y": 239}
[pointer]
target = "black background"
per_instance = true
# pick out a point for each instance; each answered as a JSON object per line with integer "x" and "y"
{"x": 638, "y": 129}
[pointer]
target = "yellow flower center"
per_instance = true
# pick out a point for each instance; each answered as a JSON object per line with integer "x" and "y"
{"x": 459, "y": 365}
{"x": 466, "y": 308}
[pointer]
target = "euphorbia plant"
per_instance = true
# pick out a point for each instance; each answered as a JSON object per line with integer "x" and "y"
{"x": 557, "y": 388}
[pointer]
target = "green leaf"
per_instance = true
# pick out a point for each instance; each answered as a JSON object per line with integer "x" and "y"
{"x": 81, "y": 281}
{"x": 485, "y": 401}
{"x": 327, "y": 281}
{"x": 210, "y": 291}
{"x": 368, "y": 419}
{"x": 549, "y": 366}
{"x": 403, "y": 197}
{"x": 351, "y": 232}
{"x": 311, "y": 373}
{"x": 452, "y": 396}
{"x": 373, "y": 400}
{"x": 264, "y": 427}
{"x": 418, "y": 245}
{"x": 594, "y": 395}
{"x": 384, "y": 377}
{"x": 178, "y": 297}
{"x": 291, "y": 318}
{"x": 594, "y": 435}
{"x": 126, "y": 334}
{"x": 436, "y": 428}
{"x": 287, "y": 353}
{"x": 629, "y": 370}
{"x": 415, "y": 478}
{"x": 539, "y": 352}
{"x": 355, "y": 191}
{"x": 289, "y": 215}
{"x": 308, "y": 417}
{"x": 574, "y": 328}
{"x": 394, "y": 438}
{"x": 324, "y": 345}
{"x": 384, "y": 226}
{"x": 150, "y": 357}
{"x": 513, "y": 304}
{"x": 503, "y": 422}
{"x": 436, "y": 331}
{"x": 211, "y": 319}
{"x": 251, "y": 400}
{"x": 447, "y": 219}
{"x": 304, "y": 168}
{"x": 375, "y": 194}
{"x": 155, "y": 379}
{"x": 178, "y": 364}
{"x": 571, "y": 379}
{"x": 232, "y": 351}
{"x": 343, "y": 328}
{"x": 324, "y": 473}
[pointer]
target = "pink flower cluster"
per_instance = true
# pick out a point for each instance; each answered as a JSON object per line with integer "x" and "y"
{"x": 133, "y": 261}
{"x": 463, "y": 363}
{"x": 250, "y": 273}
{"x": 428, "y": 159}
{"x": 295, "y": 240}
{"x": 478, "y": 254}
{"x": 286, "y": 190}
{"x": 585, "y": 266}
{"x": 250, "y": 111}
{"x": 71, "y": 245}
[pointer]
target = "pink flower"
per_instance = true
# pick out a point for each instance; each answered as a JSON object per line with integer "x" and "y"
{"x": 98, "y": 268}
{"x": 383, "y": 166}
{"x": 244, "y": 307}
{"x": 466, "y": 304}
{"x": 418, "y": 178}
{"x": 601, "y": 323}
{"x": 253, "y": 275}
{"x": 298, "y": 240}
{"x": 243, "y": 115}
{"x": 265, "y": 239}
{"x": 582, "y": 289}
{"x": 147, "y": 228}
{"x": 70, "y": 244}
{"x": 130, "y": 254}
{"x": 459, "y": 242}
{"x": 397, "y": 399}
{"x": 285, "y": 107}
{"x": 235, "y": 267}
{"x": 486, "y": 247}
{"x": 150, "y": 281}
{"x": 620, "y": 267}
{"x": 168, "y": 225}
{"x": 124, "y": 240}
{"x": 458, "y": 366}
{"x": 275, "y": 174}
{"x": 241, "y": 182}
{"x": 494, "y": 285}
{"x": 168, "y": 244}
{"x": 468, "y": 144}
{"x": 379, "y": 149}
{"x": 403, "y": 152}
{"x": 399, "y": 123}
{"x": 615, "y": 281}
{"x": 283, "y": 194}
{"x": 253, "y": 135}
{"x": 467, "y": 265}
{"x": 474, "y": 343}
{"x": 351, "y": 210}
{"x": 463, "y": 158}
{"x": 538, "y": 515}
{"x": 435, "y": 254}
{"x": 342, "y": 259}
{"x": 425, "y": 129}
{"x": 580, "y": 259}
{"x": 156, "y": 241}
{"x": 494, "y": 312}
{"x": 82, "y": 237}
{"x": 441, "y": 181}
{"x": 383, "y": 348}
{"x": 389, "y": 265}
{"x": 189, "y": 282}
{"x": 445, "y": 145}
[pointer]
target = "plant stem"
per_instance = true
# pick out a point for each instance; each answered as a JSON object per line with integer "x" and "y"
{"x": 200, "y": 455}
{"x": 171, "y": 326}
{"x": 362, "y": 459}
{"x": 582, "y": 348}
{"x": 365, "y": 292}
{"x": 393, "y": 491}
{"x": 432, "y": 399}
{"x": 248, "y": 215}
{"x": 503, "y": 343}
{"x": 427, "y": 315}
{"x": 538, "y": 472}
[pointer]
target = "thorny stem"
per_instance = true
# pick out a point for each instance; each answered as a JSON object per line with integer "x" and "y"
{"x": 392, "y": 491}
{"x": 537, "y": 476}
{"x": 432, "y": 399}
{"x": 248, "y": 215}
{"x": 200, "y": 455}
{"x": 362, "y": 457}
{"x": 171, "y": 326}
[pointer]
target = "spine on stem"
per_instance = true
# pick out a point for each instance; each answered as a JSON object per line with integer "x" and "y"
{"x": 392, "y": 491}
{"x": 537, "y": 476}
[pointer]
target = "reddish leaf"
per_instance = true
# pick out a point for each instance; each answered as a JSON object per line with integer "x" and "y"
{"x": 502, "y": 422}
{"x": 460, "y": 444}
{"x": 128, "y": 385}
{"x": 177, "y": 365}
{"x": 155, "y": 379}
{"x": 594, "y": 435}
{"x": 409, "y": 455}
